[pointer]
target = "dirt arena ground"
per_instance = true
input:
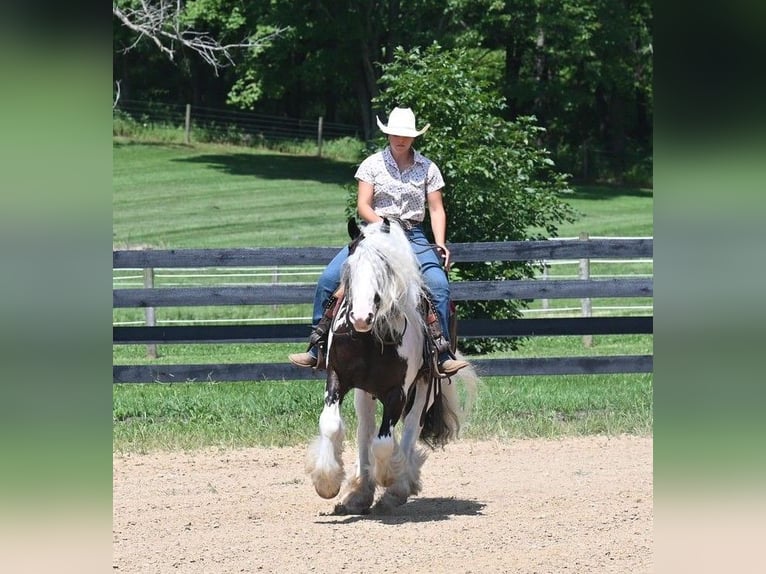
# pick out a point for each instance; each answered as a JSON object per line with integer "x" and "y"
{"x": 575, "y": 505}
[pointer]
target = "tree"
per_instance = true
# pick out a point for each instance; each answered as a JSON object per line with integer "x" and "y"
{"x": 582, "y": 67}
{"x": 185, "y": 50}
{"x": 500, "y": 185}
{"x": 323, "y": 66}
{"x": 320, "y": 67}
{"x": 173, "y": 24}
{"x": 329, "y": 63}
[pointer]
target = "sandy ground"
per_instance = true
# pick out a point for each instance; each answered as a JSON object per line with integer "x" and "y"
{"x": 524, "y": 506}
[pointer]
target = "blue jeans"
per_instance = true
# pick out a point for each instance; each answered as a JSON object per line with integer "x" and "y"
{"x": 430, "y": 265}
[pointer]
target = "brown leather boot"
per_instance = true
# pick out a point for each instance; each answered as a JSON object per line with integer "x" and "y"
{"x": 303, "y": 359}
{"x": 449, "y": 367}
{"x": 318, "y": 337}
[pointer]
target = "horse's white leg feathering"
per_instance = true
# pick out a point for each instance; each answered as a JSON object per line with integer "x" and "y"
{"x": 414, "y": 456}
{"x": 359, "y": 491}
{"x": 387, "y": 459}
{"x": 324, "y": 462}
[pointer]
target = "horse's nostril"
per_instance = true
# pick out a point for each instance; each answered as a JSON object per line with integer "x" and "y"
{"x": 360, "y": 324}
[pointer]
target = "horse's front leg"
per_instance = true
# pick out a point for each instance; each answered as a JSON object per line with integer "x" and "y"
{"x": 324, "y": 462}
{"x": 387, "y": 462}
{"x": 359, "y": 491}
{"x": 407, "y": 482}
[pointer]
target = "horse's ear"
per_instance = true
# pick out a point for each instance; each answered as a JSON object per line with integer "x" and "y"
{"x": 353, "y": 228}
{"x": 386, "y": 225}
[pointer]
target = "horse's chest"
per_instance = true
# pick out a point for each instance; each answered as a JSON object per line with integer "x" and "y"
{"x": 362, "y": 362}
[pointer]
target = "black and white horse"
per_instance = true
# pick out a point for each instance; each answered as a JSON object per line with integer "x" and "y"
{"x": 376, "y": 346}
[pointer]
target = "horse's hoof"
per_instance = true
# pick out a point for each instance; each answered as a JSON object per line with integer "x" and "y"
{"x": 327, "y": 491}
{"x": 388, "y": 502}
{"x": 327, "y": 482}
{"x": 343, "y": 510}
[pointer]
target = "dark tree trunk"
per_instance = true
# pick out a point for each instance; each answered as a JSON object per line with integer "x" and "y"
{"x": 617, "y": 136}
{"x": 393, "y": 29}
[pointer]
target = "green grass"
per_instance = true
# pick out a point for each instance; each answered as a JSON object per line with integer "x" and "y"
{"x": 186, "y": 416}
{"x": 170, "y": 195}
{"x": 611, "y": 211}
{"x": 179, "y": 196}
{"x": 275, "y": 413}
{"x": 176, "y": 196}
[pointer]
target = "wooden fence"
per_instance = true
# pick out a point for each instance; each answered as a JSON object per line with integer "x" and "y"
{"x": 267, "y": 294}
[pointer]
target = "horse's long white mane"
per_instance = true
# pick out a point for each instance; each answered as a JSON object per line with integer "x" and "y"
{"x": 387, "y": 260}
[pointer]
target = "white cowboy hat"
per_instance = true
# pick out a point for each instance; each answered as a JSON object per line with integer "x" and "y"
{"x": 401, "y": 122}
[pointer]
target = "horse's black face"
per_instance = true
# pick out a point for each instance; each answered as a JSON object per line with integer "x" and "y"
{"x": 353, "y": 228}
{"x": 355, "y": 234}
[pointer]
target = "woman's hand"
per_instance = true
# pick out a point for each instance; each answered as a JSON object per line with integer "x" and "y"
{"x": 445, "y": 255}
{"x": 364, "y": 202}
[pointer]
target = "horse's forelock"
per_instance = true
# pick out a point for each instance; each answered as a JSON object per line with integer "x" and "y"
{"x": 393, "y": 268}
{"x": 394, "y": 252}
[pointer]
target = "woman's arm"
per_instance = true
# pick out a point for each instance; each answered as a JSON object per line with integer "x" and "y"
{"x": 439, "y": 223}
{"x": 364, "y": 202}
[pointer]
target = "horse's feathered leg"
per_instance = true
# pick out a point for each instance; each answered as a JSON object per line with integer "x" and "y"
{"x": 412, "y": 427}
{"x": 407, "y": 481}
{"x": 359, "y": 491}
{"x": 387, "y": 460}
{"x": 324, "y": 462}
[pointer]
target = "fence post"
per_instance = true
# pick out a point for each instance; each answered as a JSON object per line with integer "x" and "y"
{"x": 151, "y": 349}
{"x": 275, "y": 281}
{"x": 546, "y": 267}
{"x": 319, "y": 136}
{"x": 587, "y": 340}
{"x": 187, "y": 124}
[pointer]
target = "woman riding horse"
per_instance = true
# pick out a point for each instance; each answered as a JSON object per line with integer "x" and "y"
{"x": 375, "y": 346}
{"x": 397, "y": 182}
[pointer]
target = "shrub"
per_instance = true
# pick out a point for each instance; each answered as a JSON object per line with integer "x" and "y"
{"x": 501, "y": 184}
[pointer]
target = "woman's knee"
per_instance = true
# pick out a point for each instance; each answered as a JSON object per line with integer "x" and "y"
{"x": 328, "y": 280}
{"x": 437, "y": 283}
{"x": 440, "y": 297}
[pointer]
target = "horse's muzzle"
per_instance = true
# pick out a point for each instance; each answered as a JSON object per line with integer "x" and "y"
{"x": 360, "y": 324}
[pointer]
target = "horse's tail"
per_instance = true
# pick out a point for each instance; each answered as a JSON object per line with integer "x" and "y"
{"x": 442, "y": 422}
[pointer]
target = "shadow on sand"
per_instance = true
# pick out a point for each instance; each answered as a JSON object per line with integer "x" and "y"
{"x": 415, "y": 510}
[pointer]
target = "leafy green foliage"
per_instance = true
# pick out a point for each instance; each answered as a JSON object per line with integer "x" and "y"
{"x": 583, "y": 68}
{"x": 501, "y": 184}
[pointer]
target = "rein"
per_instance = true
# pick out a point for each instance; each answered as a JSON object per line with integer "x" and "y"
{"x": 426, "y": 246}
{"x": 408, "y": 226}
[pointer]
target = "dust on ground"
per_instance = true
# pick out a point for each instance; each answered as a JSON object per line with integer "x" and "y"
{"x": 573, "y": 505}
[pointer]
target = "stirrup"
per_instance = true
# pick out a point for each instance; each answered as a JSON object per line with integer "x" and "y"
{"x": 460, "y": 365}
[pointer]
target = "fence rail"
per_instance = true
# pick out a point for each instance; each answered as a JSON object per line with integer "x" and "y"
{"x": 459, "y": 252}
{"x": 266, "y": 294}
{"x": 232, "y": 123}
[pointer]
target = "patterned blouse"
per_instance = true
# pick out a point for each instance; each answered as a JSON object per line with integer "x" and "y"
{"x": 400, "y": 194}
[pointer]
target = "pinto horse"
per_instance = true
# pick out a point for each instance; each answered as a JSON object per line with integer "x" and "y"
{"x": 378, "y": 346}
